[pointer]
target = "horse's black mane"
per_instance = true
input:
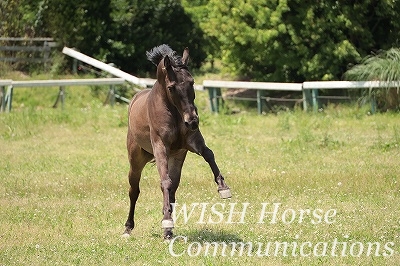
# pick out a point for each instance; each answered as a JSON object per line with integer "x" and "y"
{"x": 156, "y": 54}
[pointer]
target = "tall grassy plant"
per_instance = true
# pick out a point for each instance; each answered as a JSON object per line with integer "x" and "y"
{"x": 384, "y": 66}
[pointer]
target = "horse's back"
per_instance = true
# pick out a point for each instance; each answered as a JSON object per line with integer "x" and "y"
{"x": 138, "y": 126}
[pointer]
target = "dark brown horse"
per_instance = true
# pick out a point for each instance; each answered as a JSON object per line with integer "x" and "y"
{"x": 164, "y": 125}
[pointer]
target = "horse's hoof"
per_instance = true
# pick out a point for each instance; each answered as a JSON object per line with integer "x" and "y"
{"x": 225, "y": 194}
{"x": 167, "y": 234}
{"x": 167, "y": 224}
{"x": 125, "y": 235}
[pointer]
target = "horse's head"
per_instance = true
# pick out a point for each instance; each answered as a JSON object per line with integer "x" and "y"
{"x": 175, "y": 78}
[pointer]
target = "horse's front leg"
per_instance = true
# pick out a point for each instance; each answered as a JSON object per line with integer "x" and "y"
{"x": 196, "y": 144}
{"x": 161, "y": 156}
{"x": 223, "y": 189}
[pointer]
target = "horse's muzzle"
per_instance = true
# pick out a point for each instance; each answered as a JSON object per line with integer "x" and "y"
{"x": 192, "y": 123}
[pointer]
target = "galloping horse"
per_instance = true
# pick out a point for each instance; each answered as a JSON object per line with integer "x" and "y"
{"x": 164, "y": 125}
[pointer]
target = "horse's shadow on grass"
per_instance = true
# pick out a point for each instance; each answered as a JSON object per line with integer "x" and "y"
{"x": 211, "y": 235}
{"x": 204, "y": 235}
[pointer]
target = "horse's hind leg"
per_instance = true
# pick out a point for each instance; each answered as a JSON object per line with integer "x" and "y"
{"x": 137, "y": 159}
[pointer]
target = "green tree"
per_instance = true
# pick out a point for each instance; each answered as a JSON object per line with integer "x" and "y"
{"x": 297, "y": 40}
{"x": 17, "y": 19}
{"x": 140, "y": 25}
{"x": 117, "y": 31}
{"x": 84, "y": 25}
{"x": 198, "y": 11}
{"x": 73, "y": 23}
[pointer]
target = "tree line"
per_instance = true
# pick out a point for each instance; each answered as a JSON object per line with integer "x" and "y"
{"x": 264, "y": 40}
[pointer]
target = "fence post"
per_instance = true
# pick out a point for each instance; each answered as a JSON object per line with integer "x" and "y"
{"x": 112, "y": 95}
{"x": 307, "y": 101}
{"x": 259, "y": 102}
{"x": 46, "y": 53}
{"x": 217, "y": 95}
{"x": 8, "y": 98}
{"x": 314, "y": 93}
{"x": 372, "y": 100}
{"x": 75, "y": 66}
{"x": 62, "y": 94}
{"x": 211, "y": 95}
{"x": 60, "y": 97}
{"x": 214, "y": 94}
{"x": 2, "y": 99}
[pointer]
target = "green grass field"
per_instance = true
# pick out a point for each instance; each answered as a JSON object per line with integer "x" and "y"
{"x": 64, "y": 201}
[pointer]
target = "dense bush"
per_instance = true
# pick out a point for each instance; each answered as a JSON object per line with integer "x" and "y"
{"x": 295, "y": 40}
{"x": 384, "y": 66}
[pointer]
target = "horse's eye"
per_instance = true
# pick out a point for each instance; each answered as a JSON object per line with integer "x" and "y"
{"x": 171, "y": 88}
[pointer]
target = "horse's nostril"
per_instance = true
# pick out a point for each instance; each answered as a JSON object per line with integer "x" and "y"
{"x": 193, "y": 125}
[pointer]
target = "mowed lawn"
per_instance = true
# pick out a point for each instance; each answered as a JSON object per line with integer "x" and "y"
{"x": 333, "y": 178}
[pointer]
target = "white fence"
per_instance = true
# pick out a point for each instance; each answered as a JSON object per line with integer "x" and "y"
{"x": 307, "y": 88}
{"x": 213, "y": 86}
{"x": 6, "y": 96}
{"x": 214, "y": 90}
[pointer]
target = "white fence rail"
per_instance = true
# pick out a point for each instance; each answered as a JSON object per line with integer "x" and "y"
{"x": 214, "y": 90}
{"x": 6, "y": 97}
{"x": 309, "y": 90}
{"x": 252, "y": 85}
{"x": 349, "y": 84}
{"x": 314, "y": 86}
{"x": 141, "y": 82}
{"x": 67, "y": 82}
{"x": 213, "y": 86}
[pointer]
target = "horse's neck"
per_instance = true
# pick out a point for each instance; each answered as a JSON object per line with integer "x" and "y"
{"x": 160, "y": 97}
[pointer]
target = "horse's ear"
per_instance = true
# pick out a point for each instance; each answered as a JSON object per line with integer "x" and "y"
{"x": 185, "y": 56}
{"x": 167, "y": 61}
{"x": 168, "y": 70}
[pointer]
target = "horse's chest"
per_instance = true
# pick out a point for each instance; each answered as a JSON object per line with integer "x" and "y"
{"x": 174, "y": 138}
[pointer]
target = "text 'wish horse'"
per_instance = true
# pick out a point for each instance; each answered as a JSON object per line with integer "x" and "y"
{"x": 164, "y": 125}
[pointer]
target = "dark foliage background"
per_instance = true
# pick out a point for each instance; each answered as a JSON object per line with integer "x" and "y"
{"x": 266, "y": 40}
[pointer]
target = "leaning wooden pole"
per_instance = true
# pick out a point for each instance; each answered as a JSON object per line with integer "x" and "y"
{"x": 103, "y": 66}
